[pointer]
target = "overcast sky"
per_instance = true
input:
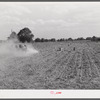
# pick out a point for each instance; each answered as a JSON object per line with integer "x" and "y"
{"x": 51, "y": 19}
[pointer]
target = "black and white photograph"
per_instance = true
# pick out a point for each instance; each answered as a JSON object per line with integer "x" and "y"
{"x": 50, "y": 45}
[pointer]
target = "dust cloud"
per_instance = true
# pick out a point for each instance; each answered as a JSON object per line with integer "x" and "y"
{"x": 10, "y": 48}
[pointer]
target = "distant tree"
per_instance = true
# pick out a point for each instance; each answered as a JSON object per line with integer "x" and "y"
{"x": 13, "y": 35}
{"x": 60, "y": 40}
{"x": 46, "y": 40}
{"x": 25, "y": 35}
{"x": 70, "y": 39}
{"x": 37, "y": 40}
{"x": 66, "y": 39}
{"x": 80, "y": 38}
{"x": 98, "y": 38}
{"x": 88, "y": 38}
{"x": 42, "y": 40}
{"x": 53, "y": 40}
{"x": 93, "y": 38}
{"x": 57, "y": 40}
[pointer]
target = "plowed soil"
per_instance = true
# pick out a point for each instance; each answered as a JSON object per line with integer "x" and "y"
{"x": 58, "y": 65}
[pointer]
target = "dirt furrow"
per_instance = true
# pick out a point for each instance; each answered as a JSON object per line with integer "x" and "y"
{"x": 96, "y": 61}
{"x": 59, "y": 77}
{"x": 86, "y": 73}
{"x": 93, "y": 67}
{"x": 68, "y": 72}
{"x": 78, "y": 66}
{"x": 58, "y": 66}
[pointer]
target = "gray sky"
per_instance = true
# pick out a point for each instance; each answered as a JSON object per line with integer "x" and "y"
{"x": 51, "y": 19}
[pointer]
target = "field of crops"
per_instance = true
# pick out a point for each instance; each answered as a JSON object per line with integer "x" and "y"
{"x": 58, "y": 65}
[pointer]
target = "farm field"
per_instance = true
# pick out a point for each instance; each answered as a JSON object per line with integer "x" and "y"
{"x": 58, "y": 65}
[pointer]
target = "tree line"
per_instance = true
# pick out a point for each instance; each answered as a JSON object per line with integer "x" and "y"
{"x": 94, "y": 38}
{"x": 26, "y": 35}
